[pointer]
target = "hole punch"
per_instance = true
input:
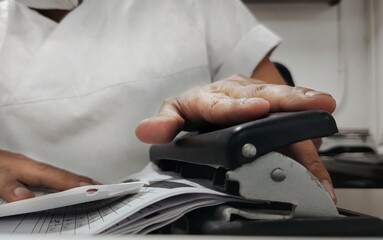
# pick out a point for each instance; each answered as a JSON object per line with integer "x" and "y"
{"x": 92, "y": 190}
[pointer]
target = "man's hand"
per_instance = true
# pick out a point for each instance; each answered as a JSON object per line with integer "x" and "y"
{"x": 230, "y": 101}
{"x": 18, "y": 171}
{"x": 236, "y": 100}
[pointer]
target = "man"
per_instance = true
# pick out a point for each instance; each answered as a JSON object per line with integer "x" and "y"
{"x": 77, "y": 78}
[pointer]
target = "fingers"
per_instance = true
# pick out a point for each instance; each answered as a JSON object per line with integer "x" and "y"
{"x": 286, "y": 98}
{"x": 231, "y": 101}
{"x": 157, "y": 130}
{"x": 177, "y": 115}
{"x": 226, "y": 110}
{"x": 317, "y": 142}
{"x": 18, "y": 171}
{"x": 306, "y": 154}
{"x": 41, "y": 174}
{"x": 11, "y": 189}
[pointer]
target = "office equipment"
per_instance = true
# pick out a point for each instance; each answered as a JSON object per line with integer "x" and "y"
{"x": 352, "y": 160}
{"x": 348, "y": 141}
{"x": 240, "y": 160}
{"x": 352, "y": 171}
{"x": 329, "y": 2}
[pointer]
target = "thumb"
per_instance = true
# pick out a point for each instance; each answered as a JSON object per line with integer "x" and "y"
{"x": 11, "y": 189}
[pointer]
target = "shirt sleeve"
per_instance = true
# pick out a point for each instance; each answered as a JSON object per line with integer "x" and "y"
{"x": 235, "y": 41}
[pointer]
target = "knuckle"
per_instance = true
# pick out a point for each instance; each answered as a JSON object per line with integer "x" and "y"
{"x": 5, "y": 174}
{"x": 239, "y": 79}
{"x": 7, "y": 179}
{"x": 218, "y": 87}
{"x": 19, "y": 156}
{"x": 169, "y": 101}
{"x": 315, "y": 165}
{"x": 42, "y": 166}
{"x": 234, "y": 77}
{"x": 213, "y": 103}
{"x": 3, "y": 170}
{"x": 316, "y": 168}
{"x": 258, "y": 89}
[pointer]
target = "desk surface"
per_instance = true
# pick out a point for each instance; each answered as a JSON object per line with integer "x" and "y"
{"x": 178, "y": 237}
{"x": 367, "y": 201}
{"x": 363, "y": 200}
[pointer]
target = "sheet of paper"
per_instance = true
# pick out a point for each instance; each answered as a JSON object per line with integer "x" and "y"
{"x": 45, "y": 200}
{"x": 163, "y": 199}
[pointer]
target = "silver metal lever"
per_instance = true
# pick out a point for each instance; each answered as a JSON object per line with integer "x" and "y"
{"x": 277, "y": 177}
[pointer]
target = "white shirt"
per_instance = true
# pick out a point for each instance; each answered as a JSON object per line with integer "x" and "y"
{"x": 71, "y": 94}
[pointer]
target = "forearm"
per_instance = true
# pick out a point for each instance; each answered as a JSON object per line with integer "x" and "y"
{"x": 267, "y": 72}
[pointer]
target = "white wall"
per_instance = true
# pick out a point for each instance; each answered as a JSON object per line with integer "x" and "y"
{"x": 3, "y": 18}
{"x": 328, "y": 48}
{"x": 376, "y": 7}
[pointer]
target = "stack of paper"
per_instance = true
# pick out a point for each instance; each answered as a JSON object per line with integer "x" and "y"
{"x": 162, "y": 200}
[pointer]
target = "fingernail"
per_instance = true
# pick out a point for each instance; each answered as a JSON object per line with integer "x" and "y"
{"x": 315, "y": 93}
{"x": 330, "y": 190}
{"x": 21, "y": 191}
{"x": 85, "y": 184}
